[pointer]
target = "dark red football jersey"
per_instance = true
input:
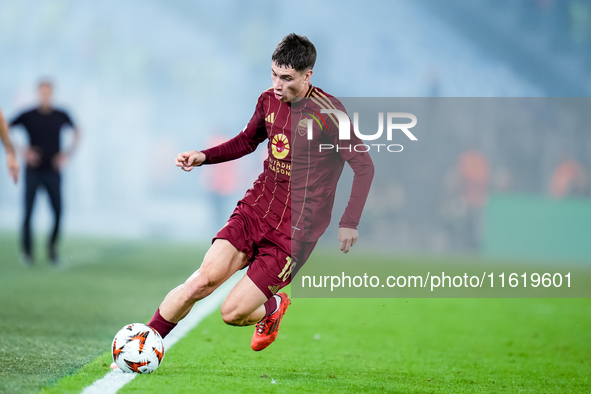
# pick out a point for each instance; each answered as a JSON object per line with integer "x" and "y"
{"x": 295, "y": 193}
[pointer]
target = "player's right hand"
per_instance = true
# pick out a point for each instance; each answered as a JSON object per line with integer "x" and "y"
{"x": 12, "y": 166}
{"x": 189, "y": 160}
{"x": 32, "y": 157}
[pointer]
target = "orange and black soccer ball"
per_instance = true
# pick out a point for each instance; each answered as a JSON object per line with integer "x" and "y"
{"x": 137, "y": 348}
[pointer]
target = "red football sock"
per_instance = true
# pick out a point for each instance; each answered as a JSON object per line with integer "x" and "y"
{"x": 160, "y": 324}
{"x": 271, "y": 305}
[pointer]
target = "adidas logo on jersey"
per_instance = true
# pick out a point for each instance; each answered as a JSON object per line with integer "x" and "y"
{"x": 273, "y": 289}
{"x": 270, "y": 118}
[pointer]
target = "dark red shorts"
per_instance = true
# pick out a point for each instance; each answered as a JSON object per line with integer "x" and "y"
{"x": 272, "y": 256}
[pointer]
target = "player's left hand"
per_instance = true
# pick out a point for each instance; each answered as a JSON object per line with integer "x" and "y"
{"x": 347, "y": 238}
{"x": 59, "y": 161}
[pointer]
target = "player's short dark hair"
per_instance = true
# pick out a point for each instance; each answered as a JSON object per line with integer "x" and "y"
{"x": 296, "y": 52}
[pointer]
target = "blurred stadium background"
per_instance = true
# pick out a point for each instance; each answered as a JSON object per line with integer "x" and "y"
{"x": 145, "y": 80}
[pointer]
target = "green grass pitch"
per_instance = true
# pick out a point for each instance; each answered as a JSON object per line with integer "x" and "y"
{"x": 57, "y": 326}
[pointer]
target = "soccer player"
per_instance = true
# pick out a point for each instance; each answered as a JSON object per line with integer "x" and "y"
{"x": 267, "y": 232}
{"x": 10, "y": 156}
{"x": 45, "y": 159}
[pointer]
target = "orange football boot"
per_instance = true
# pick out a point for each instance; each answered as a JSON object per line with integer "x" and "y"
{"x": 266, "y": 330}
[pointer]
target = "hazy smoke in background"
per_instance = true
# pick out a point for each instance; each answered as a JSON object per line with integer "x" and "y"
{"x": 145, "y": 80}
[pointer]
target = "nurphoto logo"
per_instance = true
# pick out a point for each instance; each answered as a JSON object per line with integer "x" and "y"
{"x": 345, "y": 130}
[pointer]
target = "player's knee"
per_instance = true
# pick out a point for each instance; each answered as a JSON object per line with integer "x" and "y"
{"x": 232, "y": 316}
{"x": 199, "y": 286}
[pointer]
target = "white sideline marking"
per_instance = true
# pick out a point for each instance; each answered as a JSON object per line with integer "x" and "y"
{"x": 116, "y": 379}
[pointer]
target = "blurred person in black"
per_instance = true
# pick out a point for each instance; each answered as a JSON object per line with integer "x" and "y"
{"x": 10, "y": 156}
{"x": 44, "y": 161}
